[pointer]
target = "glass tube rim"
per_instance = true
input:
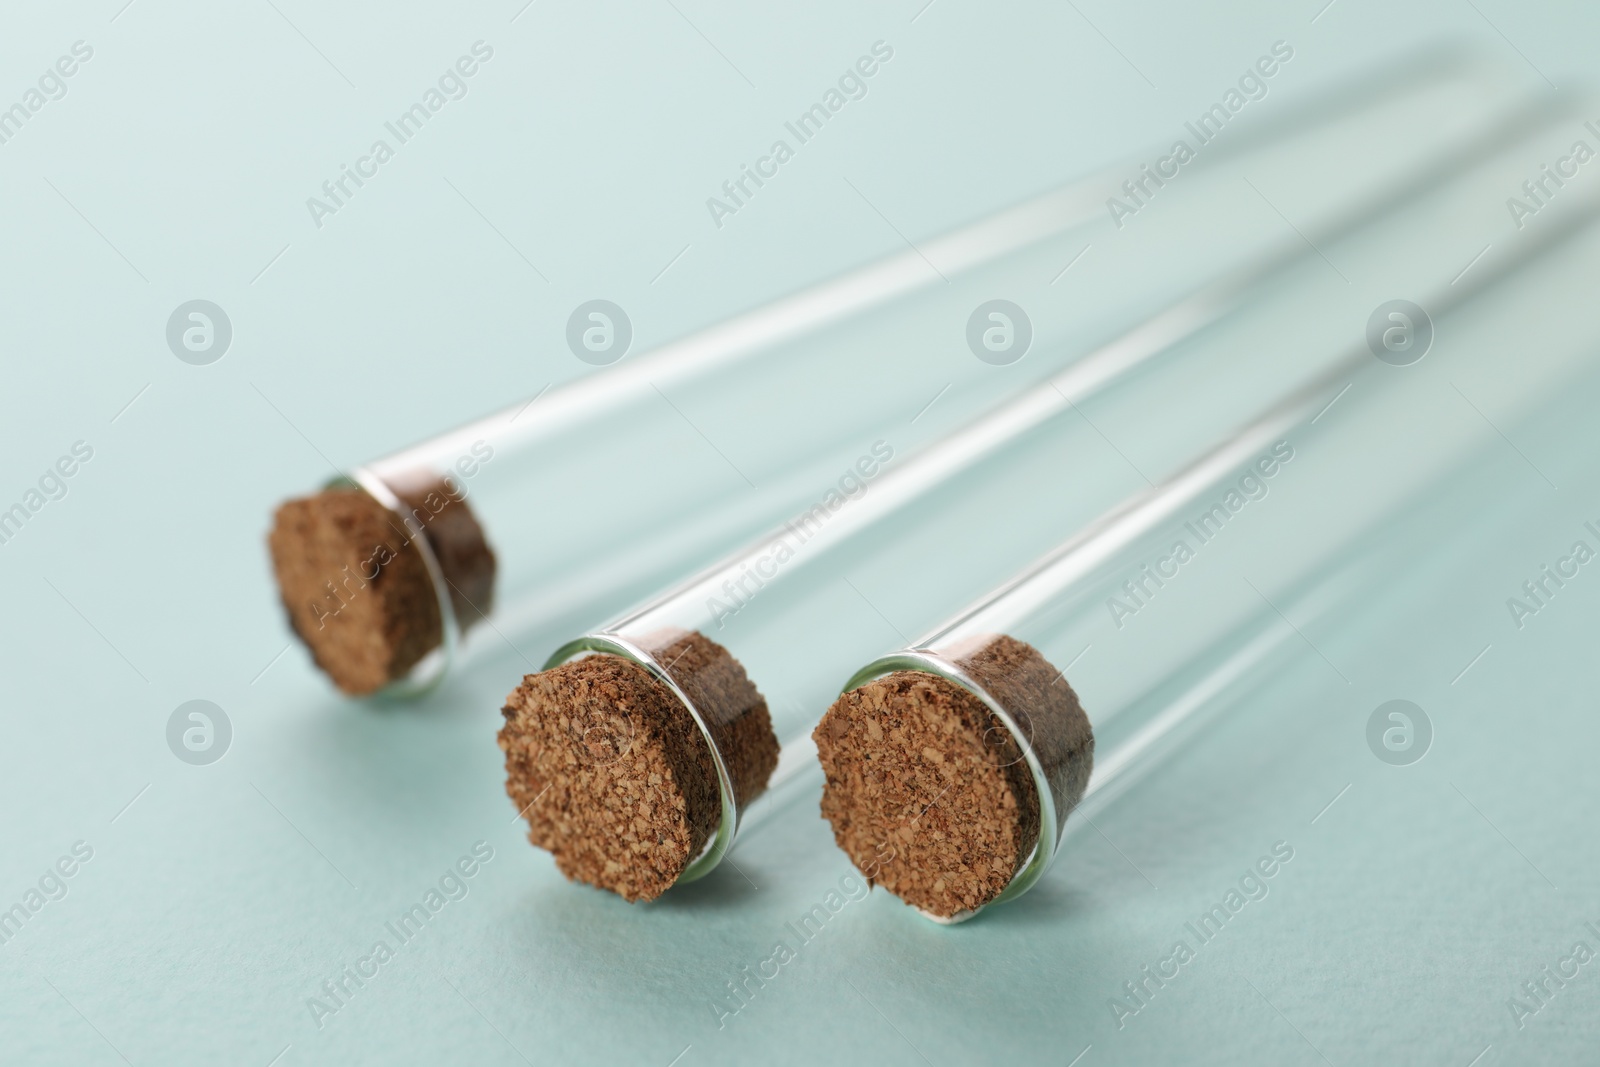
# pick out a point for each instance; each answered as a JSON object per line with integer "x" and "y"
{"x": 428, "y": 672}
{"x": 1051, "y": 822}
{"x": 715, "y": 849}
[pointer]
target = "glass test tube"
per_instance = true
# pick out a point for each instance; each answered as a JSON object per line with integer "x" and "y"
{"x": 1130, "y": 570}
{"x": 471, "y": 520}
{"x": 454, "y": 576}
{"x": 671, "y": 636}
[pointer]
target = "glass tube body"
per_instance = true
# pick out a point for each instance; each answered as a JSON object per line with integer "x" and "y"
{"x": 788, "y": 578}
{"x": 1191, "y": 570}
{"x": 535, "y": 474}
{"x": 520, "y": 468}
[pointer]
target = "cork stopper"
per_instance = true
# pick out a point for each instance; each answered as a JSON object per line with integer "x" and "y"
{"x": 355, "y": 586}
{"x": 611, "y": 771}
{"x": 928, "y": 791}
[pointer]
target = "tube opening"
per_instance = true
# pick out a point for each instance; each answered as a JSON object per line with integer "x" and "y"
{"x": 992, "y": 717}
{"x": 380, "y": 579}
{"x": 687, "y": 742}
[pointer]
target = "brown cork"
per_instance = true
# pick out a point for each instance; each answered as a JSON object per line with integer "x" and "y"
{"x": 611, "y": 772}
{"x": 928, "y": 792}
{"x": 355, "y": 586}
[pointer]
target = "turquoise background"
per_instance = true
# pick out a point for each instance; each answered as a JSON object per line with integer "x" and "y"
{"x": 218, "y": 899}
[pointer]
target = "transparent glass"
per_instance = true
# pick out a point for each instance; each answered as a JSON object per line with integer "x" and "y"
{"x": 582, "y": 522}
{"x": 1184, "y": 581}
{"x": 798, "y": 577}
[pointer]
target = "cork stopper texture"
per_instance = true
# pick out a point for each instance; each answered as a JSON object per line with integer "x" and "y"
{"x": 929, "y": 793}
{"x": 356, "y": 589}
{"x": 611, "y": 772}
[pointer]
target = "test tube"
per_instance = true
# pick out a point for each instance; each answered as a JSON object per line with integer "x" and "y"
{"x": 384, "y": 572}
{"x": 638, "y": 748}
{"x": 952, "y": 764}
